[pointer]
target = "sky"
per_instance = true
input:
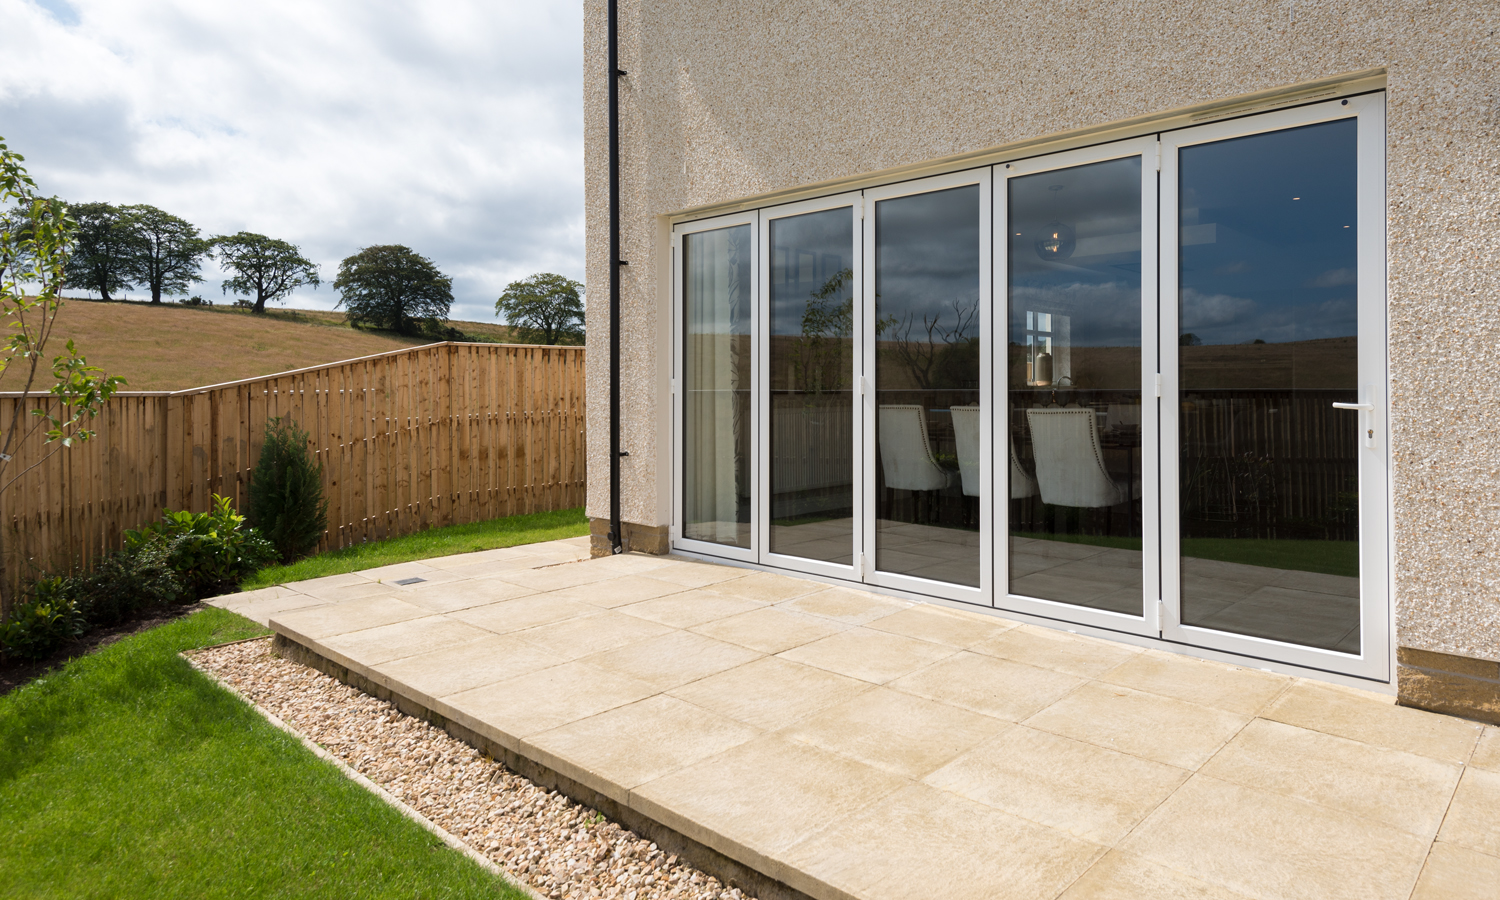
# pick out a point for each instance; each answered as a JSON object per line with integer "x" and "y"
{"x": 454, "y": 128}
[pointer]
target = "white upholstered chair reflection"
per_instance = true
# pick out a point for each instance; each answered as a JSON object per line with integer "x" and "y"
{"x": 1069, "y": 461}
{"x": 966, "y": 436}
{"x": 906, "y": 458}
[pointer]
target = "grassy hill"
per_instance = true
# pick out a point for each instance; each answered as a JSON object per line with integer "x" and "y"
{"x": 171, "y": 347}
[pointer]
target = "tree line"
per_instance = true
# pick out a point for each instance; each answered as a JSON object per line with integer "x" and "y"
{"x": 389, "y": 286}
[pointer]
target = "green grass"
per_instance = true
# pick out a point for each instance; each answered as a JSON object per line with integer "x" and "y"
{"x": 1326, "y": 557}
{"x": 129, "y": 774}
{"x": 506, "y": 532}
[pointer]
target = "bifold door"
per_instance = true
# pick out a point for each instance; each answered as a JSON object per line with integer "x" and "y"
{"x": 926, "y": 377}
{"x": 1078, "y": 437}
{"x": 810, "y": 417}
{"x": 1138, "y": 387}
{"x": 1275, "y": 497}
{"x": 715, "y": 476}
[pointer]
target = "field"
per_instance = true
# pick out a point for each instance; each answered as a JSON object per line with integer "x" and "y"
{"x": 171, "y": 347}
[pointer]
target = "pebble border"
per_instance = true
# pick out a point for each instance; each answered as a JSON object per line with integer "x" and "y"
{"x": 538, "y": 839}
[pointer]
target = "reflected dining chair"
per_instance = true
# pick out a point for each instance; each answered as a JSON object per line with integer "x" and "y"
{"x": 966, "y": 435}
{"x": 906, "y": 458}
{"x": 1069, "y": 461}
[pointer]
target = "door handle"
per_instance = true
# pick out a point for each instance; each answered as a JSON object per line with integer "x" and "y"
{"x": 1367, "y": 415}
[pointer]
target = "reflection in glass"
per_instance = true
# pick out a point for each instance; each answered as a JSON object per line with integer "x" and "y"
{"x": 1269, "y": 478}
{"x": 812, "y": 365}
{"x": 927, "y": 346}
{"x": 1074, "y": 385}
{"x": 716, "y": 386}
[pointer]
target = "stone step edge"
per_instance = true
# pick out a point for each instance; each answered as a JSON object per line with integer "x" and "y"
{"x": 730, "y": 872}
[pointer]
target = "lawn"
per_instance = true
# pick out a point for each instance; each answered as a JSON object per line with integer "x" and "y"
{"x": 129, "y": 774}
{"x": 447, "y": 541}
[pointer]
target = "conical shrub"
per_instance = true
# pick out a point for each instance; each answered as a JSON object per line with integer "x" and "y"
{"x": 286, "y": 492}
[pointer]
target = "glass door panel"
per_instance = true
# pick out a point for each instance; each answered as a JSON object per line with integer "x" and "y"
{"x": 1273, "y": 354}
{"x": 927, "y": 368}
{"x": 810, "y": 366}
{"x": 1268, "y": 340}
{"x": 1074, "y": 385}
{"x": 717, "y": 294}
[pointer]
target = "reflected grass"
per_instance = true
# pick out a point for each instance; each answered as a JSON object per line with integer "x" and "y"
{"x": 1324, "y": 557}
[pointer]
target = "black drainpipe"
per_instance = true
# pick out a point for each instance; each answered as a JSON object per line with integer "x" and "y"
{"x": 615, "y": 262}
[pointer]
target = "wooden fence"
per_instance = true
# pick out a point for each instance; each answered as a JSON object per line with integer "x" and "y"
{"x": 436, "y": 435}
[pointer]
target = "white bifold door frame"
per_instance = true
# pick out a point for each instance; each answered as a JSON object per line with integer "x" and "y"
{"x": 871, "y": 561}
{"x": 680, "y": 386}
{"x": 1160, "y": 616}
{"x": 853, "y": 205}
{"x": 1374, "y": 659}
{"x": 1146, "y": 620}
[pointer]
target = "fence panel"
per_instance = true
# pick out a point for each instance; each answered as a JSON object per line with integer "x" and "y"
{"x": 446, "y": 433}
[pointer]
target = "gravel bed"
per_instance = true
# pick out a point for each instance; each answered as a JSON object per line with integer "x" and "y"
{"x": 556, "y": 846}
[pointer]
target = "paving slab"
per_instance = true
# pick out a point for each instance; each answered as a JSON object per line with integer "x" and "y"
{"x": 869, "y": 655}
{"x": 1152, "y": 727}
{"x": 895, "y": 732}
{"x": 854, "y": 746}
{"x": 1457, "y": 873}
{"x": 770, "y": 629}
{"x": 1085, "y": 790}
{"x": 1263, "y": 844}
{"x": 1373, "y": 719}
{"x": 323, "y": 622}
{"x": 887, "y": 851}
{"x": 1400, "y": 789}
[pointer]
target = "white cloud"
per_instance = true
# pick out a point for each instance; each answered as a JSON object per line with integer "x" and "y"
{"x": 454, "y": 128}
{"x": 1200, "y": 310}
{"x": 1335, "y": 278}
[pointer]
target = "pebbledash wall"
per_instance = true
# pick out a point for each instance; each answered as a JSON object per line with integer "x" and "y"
{"x": 738, "y": 105}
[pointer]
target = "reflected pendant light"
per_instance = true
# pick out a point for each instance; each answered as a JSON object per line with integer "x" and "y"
{"x": 1057, "y": 242}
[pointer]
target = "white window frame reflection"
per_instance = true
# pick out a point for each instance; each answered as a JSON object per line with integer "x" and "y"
{"x": 1146, "y": 622}
{"x": 854, "y": 203}
{"x": 678, "y": 539}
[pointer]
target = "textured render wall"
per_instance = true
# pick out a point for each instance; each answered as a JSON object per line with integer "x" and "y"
{"x": 726, "y": 100}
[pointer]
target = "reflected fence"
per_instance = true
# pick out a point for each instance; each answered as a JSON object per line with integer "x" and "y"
{"x": 443, "y": 434}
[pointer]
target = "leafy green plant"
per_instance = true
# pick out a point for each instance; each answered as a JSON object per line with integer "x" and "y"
{"x": 128, "y": 581}
{"x": 210, "y": 552}
{"x": 43, "y": 621}
{"x": 286, "y": 492}
{"x": 49, "y": 616}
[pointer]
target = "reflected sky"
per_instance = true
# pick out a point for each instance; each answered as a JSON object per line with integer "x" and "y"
{"x": 809, "y": 253}
{"x": 1268, "y": 236}
{"x": 927, "y": 256}
{"x": 1096, "y": 279}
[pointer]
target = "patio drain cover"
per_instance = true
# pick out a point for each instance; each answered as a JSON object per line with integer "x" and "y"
{"x": 409, "y": 580}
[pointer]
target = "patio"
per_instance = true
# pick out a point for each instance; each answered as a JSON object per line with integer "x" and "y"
{"x": 848, "y": 744}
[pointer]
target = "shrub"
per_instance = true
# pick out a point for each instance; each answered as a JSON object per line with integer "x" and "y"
{"x": 126, "y": 582}
{"x": 39, "y": 624}
{"x": 209, "y": 552}
{"x": 286, "y": 492}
